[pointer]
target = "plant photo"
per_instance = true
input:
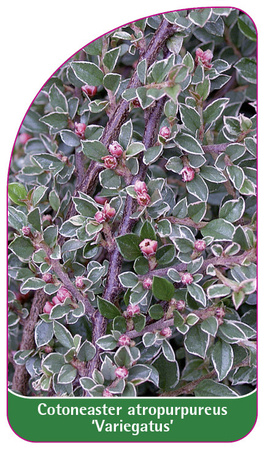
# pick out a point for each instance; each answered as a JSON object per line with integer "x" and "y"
{"x": 132, "y": 216}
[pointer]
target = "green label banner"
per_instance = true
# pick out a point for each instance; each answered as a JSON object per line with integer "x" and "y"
{"x": 181, "y": 419}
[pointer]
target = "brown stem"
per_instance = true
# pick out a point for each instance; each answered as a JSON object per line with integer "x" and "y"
{"x": 21, "y": 376}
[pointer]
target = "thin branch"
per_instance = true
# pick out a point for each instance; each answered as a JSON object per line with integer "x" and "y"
{"x": 21, "y": 376}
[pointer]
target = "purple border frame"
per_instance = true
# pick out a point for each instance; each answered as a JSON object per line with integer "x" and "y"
{"x": 8, "y": 171}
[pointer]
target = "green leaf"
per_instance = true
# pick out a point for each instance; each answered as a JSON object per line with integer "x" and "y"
{"x": 128, "y": 246}
{"x": 134, "y": 148}
{"x": 156, "y": 312}
{"x": 125, "y": 135}
{"x": 57, "y": 98}
{"x": 85, "y": 207}
{"x": 86, "y": 352}
{"x": 178, "y": 319}
{"x": 236, "y": 175}
{"x": 34, "y": 219}
{"x": 70, "y": 138}
{"x": 196, "y": 341}
{"x": 210, "y": 388}
{"x": 247, "y": 68}
{"x": 17, "y": 219}
{"x": 232, "y": 210}
{"x": 107, "y": 309}
{"x": 162, "y": 288}
{"x": 63, "y": 335}
{"x": 197, "y": 292}
{"x": 22, "y": 247}
{"x": 50, "y": 235}
{"x": 214, "y": 110}
{"x": 152, "y": 154}
{"x": 197, "y": 211}
{"x": 168, "y": 372}
{"x": 94, "y": 150}
{"x": 110, "y": 58}
{"x": 56, "y": 120}
{"x": 222, "y": 358}
{"x": 200, "y": 16}
{"x": 107, "y": 342}
{"x": 128, "y": 279}
{"x": 67, "y": 374}
{"x": 175, "y": 164}
{"x": 112, "y": 81}
{"x": 247, "y": 27}
{"x": 147, "y": 231}
{"x": 17, "y": 192}
{"x": 43, "y": 333}
{"x": 188, "y": 143}
{"x": 210, "y": 325}
{"x": 190, "y": 118}
{"x": 109, "y": 179}
{"x": 219, "y": 229}
{"x": 88, "y": 72}
{"x": 165, "y": 254}
{"x": 141, "y": 265}
{"x": 212, "y": 174}
{"x": 218, "y": 290}
{"x": 53, "y": 363}
{"x": 32, "y": 284}
{"x": 198, "y": 188}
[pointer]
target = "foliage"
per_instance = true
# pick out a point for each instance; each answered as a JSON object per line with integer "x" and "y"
{"x": 158, "y": 276}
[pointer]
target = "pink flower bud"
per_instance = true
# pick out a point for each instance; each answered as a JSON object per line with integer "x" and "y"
{"x": 107, "y": 393}
{"x": 132, "y": 310}
{"x": 187, "y": 174}
{"x": 80, "y": 129}
{"x": 108, "y": 211}
{"x": 200, "y": 245}
{"x": 147, "y": 283}
{"x": 121, "y": 372}
{"x": 48, "y": 307}
{"x": 124, "y": 340}
{"x": 90, "y": 91}
{"x": 47, "y": 277}
{"x": 100, "y": 200}
{"x": 180, "y": 305}
{"x": 116, "y": 149}
{"x": 99, "y": 217}
{"x": 47, "y": 218}
{"x": 63, "y": 293}
{"x": 148, "y": 247}
{"x": 140, "y": 187}
{"x": 143, "y": 199}
{"x": 24, "y": 137}
{"x": 110, "y": 162}
{"x": 165, "y": 132}
{"x": 26, "y": 231}
{"x": 205, "y": 57}
{"x": 79, "y": 282}
{"x": 187, "y": 278}
{"x": 48, "y": 349}
{"x": 166, "y": 332}
{"x": 56, "y": 301}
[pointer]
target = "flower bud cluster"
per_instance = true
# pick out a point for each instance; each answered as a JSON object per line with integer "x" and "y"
{"x": 106, "y": 214}
{"x": 165, "y": 132}
{"x": 60, "y": 297}
{"x": 90, "y": 91}
{"x": 187, "y": 174}
{"x": 148, "y": 247}
{"x": 80, "y": 129}
{"x": 115, "y": 152}
{"x": 205, "y": 57}
{"x": 143, "y": 198}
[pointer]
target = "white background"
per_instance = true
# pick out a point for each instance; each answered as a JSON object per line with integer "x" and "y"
{"x": 36, "y": 38}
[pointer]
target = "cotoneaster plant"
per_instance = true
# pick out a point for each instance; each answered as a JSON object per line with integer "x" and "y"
{"x": 132, "y": 215}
